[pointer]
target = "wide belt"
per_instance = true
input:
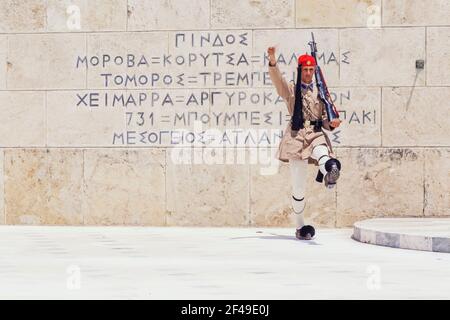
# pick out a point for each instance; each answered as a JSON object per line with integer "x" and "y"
{"x": 316, "y": 123}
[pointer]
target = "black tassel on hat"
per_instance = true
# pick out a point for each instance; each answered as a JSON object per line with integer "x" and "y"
{"x": 297, "y": 117}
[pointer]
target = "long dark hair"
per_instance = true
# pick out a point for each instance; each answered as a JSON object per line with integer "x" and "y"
{"x": 297, "y": 117}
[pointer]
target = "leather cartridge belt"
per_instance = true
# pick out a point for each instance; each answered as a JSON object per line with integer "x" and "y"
{"x": 316, "y": 123}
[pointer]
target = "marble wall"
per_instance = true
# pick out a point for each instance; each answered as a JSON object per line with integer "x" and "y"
{"x": 133, "y": 112}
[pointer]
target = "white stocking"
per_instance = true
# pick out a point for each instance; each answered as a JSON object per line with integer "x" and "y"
{"x": 298, "y": 169}
{"x": 320, "y": 153}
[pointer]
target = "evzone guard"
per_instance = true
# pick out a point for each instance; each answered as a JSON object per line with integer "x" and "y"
{"x": 304, "y": 142}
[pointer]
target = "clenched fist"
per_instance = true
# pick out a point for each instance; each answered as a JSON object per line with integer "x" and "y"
{"x": 335, "y": 123}
{"x": 271, "y": 53}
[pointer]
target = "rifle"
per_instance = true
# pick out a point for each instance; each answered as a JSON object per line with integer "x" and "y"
{"x": 324, "y": 94}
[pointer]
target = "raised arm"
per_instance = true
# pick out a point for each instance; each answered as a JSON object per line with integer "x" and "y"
{"x": 277, "y": 78}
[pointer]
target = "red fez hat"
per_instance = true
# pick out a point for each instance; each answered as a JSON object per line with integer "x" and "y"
{"x": 306, "y": 60}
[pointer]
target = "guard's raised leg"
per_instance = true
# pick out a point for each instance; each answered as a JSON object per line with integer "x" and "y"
{"x": 329, "y": 168}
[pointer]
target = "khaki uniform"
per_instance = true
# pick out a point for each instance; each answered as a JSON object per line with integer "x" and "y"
{"x": 300, "y": 146}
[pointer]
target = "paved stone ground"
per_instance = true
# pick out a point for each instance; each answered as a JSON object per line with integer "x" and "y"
{"x": 210, "y": 263}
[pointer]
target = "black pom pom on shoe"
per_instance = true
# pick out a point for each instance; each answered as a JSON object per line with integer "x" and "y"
{"x": 333, "y": 167}
{"x": 305, "y": 233}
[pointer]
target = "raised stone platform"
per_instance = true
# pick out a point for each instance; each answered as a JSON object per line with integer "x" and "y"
{"x": 429, "y": 234}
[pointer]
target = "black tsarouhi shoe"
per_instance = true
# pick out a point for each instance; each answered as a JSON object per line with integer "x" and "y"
{"x": 305, "y": 233}
{"x": 333, "y": 167}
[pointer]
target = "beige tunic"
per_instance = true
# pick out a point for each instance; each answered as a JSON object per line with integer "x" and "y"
{"x": 300, "y": 146}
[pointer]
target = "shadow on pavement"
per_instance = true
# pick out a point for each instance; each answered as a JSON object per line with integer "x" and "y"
{"x": 274, "y": 236}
